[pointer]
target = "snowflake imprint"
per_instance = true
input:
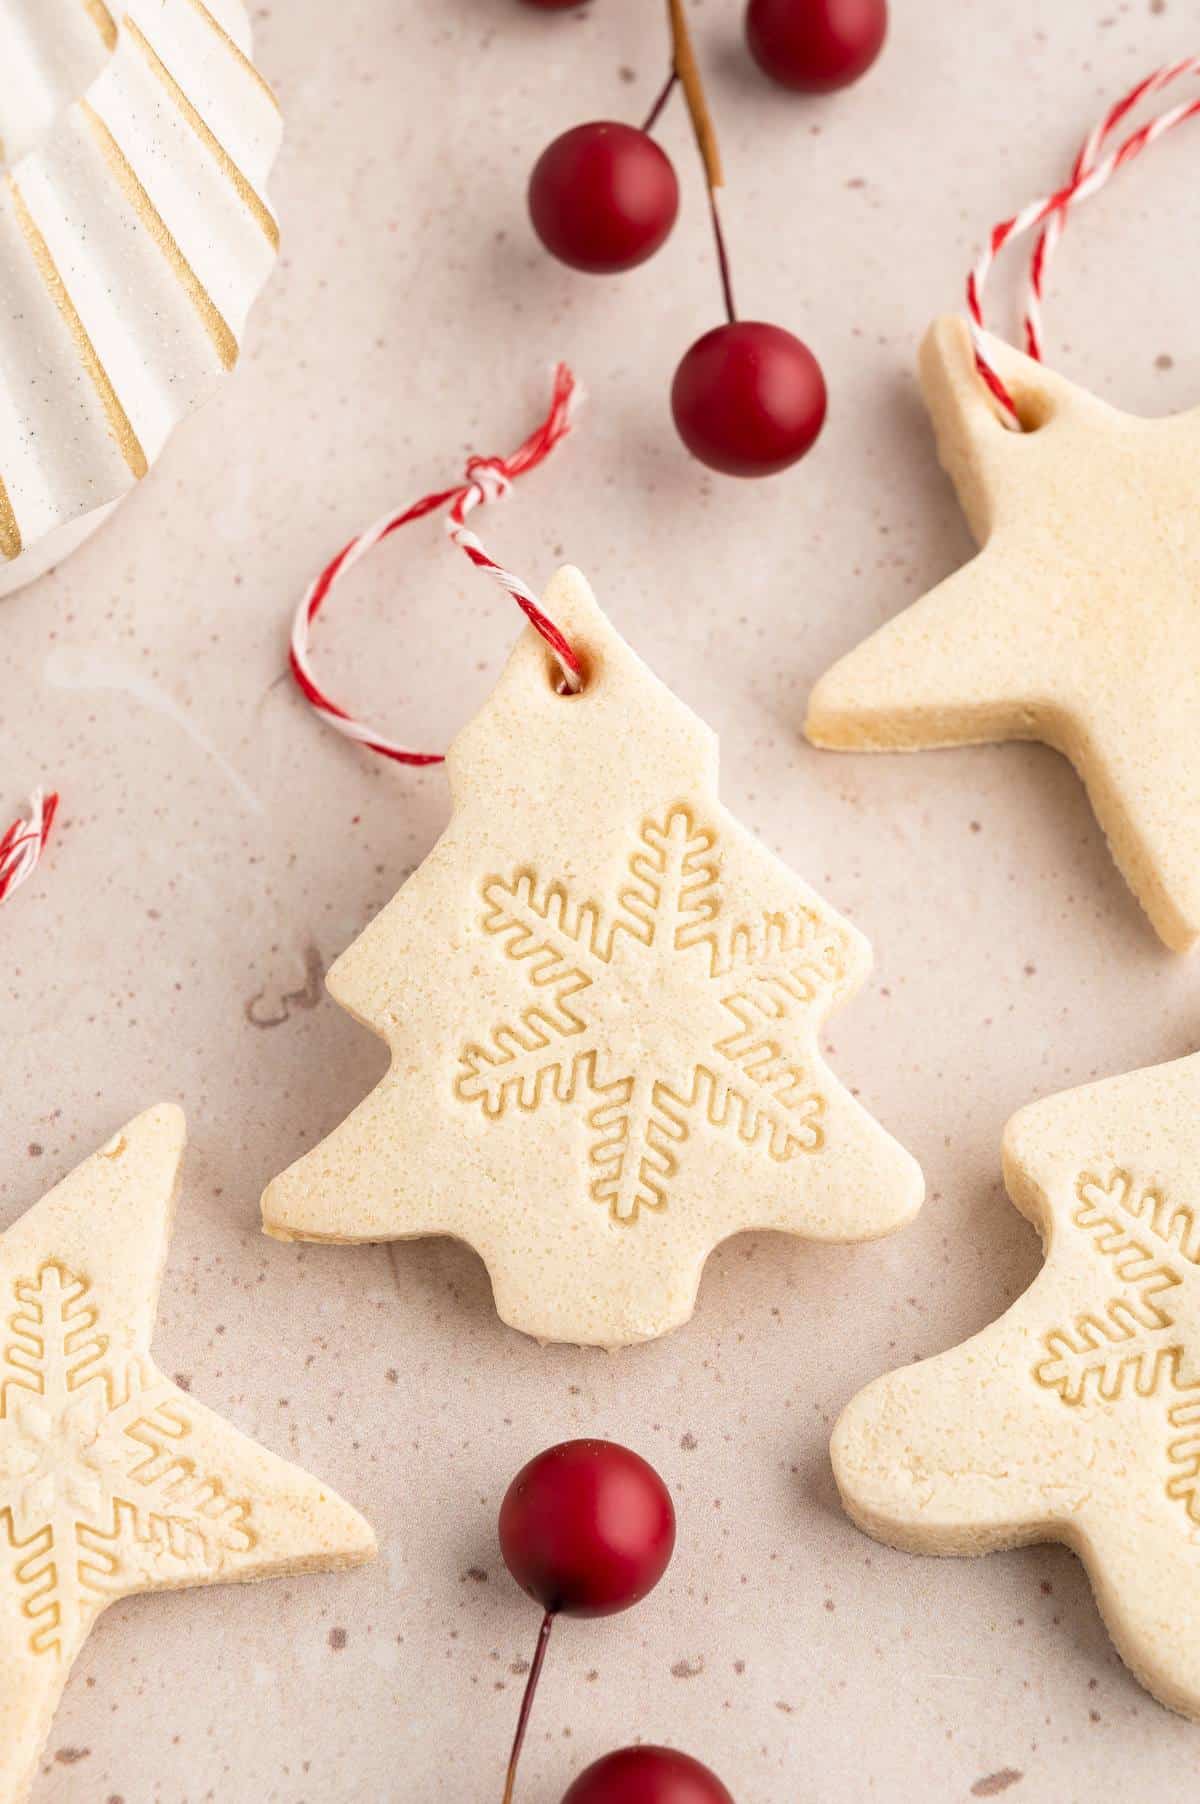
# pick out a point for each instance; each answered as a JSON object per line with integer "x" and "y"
{"x": 93, "y": 1487}
{"x": 1142, "y": 1342}
{"x": 660, "y": 1012}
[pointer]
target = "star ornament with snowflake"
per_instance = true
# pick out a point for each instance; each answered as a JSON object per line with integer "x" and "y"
{"x": 602, "y": 998}
{"x": 113, "y": 1480}
{"x": 1076, "y": 1416}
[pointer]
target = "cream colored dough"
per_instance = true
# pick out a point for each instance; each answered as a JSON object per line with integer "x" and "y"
{"x": 602, "y": 999}
{"x": 1076, "y": 1416}
{"x": 112, "y": 1479}
{"x": 1078, "y": 623}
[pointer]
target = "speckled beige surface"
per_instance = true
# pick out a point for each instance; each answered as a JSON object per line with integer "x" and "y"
{"x": 219, "y": 849}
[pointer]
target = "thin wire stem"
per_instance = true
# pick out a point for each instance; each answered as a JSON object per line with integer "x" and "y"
{"x": 687, "y": 68}
{"x": 535, "y": 1673}
{"x": 722, "y": 258}
{"x": 665, "y": 93}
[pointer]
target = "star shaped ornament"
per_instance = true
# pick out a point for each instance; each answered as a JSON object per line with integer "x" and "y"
{"x": 1076, "y": 1416}
{"x": 1078, "y": 622}
{"x": 112, "y": 1479}
{"x": 602, "y": 998}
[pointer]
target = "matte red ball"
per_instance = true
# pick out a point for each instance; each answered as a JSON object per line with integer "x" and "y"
{"x": 587, "y": 1528}
{"x": 816, "y": 45}
{"x": 647, "y": 1776}
{"x": 603, "y": 197}
{"x": 748, "y": 399}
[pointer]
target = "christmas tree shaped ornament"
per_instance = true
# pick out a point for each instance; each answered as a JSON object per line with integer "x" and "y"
{"x": 602, "y": 998}
{"x": 113, "y": 1480}
{"x": 1076, "y": 1416}
{"x": 1076, "y": 624}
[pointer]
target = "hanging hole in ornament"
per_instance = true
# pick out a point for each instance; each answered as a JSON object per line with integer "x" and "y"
{"x": 1033, "y": 410}
{"x": 557, "y": 678}
{"x": 1034, "y": 406}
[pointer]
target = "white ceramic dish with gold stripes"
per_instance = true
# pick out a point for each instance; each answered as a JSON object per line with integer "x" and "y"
{"x": 135, "y": 144}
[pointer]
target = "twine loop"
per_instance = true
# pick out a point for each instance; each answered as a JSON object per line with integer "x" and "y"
{"x": 485, "y": 479}
{"x": 1091, "y": 170}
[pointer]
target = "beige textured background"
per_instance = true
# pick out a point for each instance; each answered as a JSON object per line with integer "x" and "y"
{"x": 218, "y": 848}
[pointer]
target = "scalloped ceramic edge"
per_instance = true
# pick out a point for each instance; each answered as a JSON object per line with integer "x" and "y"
{"x": 134, "y": 238}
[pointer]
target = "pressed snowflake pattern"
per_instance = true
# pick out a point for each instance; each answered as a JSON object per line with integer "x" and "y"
{"x": 92, "y": 1480}
{"x": 1143, "y": 1341}
{"x": 615, "y": 1014}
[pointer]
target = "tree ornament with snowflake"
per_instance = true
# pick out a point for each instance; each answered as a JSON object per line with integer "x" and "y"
{"x": 602, "y": 998}
{"x": 1076, "y": 1416}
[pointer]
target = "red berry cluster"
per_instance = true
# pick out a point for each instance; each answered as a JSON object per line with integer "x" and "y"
{"x": 748, "y": 398}
{"x": 587, "y": 1529}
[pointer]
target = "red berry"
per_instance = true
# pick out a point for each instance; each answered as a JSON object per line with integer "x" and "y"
{"x": 748, "y": 399}
{"x": 816, "y": 45}
{"x": 647, "y": 1776}
{"x": 603, "y": 197}
{"x": 587, "y": 1528}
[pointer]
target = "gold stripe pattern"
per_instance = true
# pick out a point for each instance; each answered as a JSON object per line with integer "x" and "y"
{"x": 210, "y": 316}
{"x": 235, "y": 50}
{"x": 102, "y": 19}
{"x": 10, "y": 532}
{"x": 245, "y": 192}
{"x": 118, "y": 419}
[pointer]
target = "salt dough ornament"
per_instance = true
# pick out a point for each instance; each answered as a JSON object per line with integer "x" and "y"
{"x": 1076, "y": 624}
{"x": 112, "y": 1479}
{"x": 602, "y": 998}
{"x": 134, "y": 238}
{"x": 1076, "y": 1416}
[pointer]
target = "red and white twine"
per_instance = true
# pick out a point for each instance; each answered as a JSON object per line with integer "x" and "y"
{"x": 21, "y": 847}
{"x": 1089, "y": 173}
{"x": 485, "y": 479}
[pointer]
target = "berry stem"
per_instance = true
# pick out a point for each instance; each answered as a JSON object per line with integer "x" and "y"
{"x": 531, "y": 1683}
{"x": 667, "y": 90}
{"x": 683, "y": 55}
{"x": 686, "y": 67}
{"x": 722, "y": 258}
